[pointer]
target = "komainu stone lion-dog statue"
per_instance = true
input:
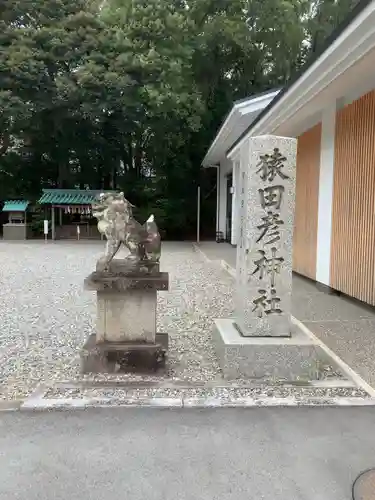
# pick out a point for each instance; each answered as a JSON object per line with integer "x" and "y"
{"x": 116, "y": 222}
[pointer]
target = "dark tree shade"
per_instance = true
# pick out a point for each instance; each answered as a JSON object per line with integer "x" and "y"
{"x": 129, "y": 94}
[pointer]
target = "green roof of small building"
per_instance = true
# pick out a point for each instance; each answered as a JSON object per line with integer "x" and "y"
{"x": 15, "y": 206}
{"x": 69, "y": 196}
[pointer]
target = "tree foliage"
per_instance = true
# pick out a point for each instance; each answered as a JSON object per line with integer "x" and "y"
{"x": 129, "y": 93}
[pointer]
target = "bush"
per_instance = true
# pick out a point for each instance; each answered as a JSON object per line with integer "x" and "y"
{"x": 37, "y": 221}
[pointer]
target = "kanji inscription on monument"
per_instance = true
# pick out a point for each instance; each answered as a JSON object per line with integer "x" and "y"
{"x": 264, "y": 280}
{"x": 242, "y": 215}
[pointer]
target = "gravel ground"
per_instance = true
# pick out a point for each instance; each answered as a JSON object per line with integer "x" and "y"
{"x": 47, "y": 316}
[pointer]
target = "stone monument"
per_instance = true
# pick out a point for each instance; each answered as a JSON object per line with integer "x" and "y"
{"x": 261, "y": 341}
{"x": 264, "y": 253}
{"x": 126, "y": 289}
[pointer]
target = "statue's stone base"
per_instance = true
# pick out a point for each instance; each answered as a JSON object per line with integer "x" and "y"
{"x": 122, "y": 357}
{"x": 293, "y": 358}
{"x": 122, "y": 277}
{"x": 126, "y": 316}
{"x": 126, "y": 338}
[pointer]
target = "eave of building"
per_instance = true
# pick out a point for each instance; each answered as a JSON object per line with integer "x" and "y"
{"x": 343, "y": 72}
{"x": 241, "y": 115}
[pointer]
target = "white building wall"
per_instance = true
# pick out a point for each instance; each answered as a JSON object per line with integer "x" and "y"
{"x": 218, "y": 198}
{"x": 225, "y": 169}
{"x": 327, "y": 159}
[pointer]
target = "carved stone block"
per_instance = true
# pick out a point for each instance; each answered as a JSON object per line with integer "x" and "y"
{"x": 265, "y": 249}
{"x": 113, "y": 357}
{"x": 126, "y": 317}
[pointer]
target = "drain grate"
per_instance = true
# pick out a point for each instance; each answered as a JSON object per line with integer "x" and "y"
{"x": 364, "y": 486}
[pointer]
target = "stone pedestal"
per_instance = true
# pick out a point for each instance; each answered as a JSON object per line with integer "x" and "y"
{"x": 114, "y": 357}
{"x": 296, "y": 357}
{"x": 126, "y": 337}
{"x": 19, "y": 231}
{"x": 126, "y": 316}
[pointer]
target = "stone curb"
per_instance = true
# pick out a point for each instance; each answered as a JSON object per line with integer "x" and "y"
{"x": 10, "y": 405}
{"x": 37, "y": 402}
{"x": 349, "y": 372}
{"x": 222, "y": 262}
{"x": 181, "y": 403}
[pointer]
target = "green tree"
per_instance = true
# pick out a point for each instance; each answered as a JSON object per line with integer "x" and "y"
{"x": 324, "y": 17}
{"x": 129, "y": 93}
{"x": 169, "y": 106}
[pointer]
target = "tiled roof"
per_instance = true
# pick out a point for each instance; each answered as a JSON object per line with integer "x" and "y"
{"x": 15, "y": 206}
{"x": 69, "y": 196}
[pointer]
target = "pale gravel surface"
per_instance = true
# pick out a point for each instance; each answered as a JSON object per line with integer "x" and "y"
{"x": 47, "y": 316}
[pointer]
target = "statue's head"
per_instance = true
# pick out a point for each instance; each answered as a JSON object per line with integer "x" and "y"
{"x": 112, "y": 205}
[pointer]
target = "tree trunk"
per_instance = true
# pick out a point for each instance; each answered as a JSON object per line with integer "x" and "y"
{"x": 114, "y": 178}
{"x": 4, "y": 143}
{"x": 138, "y": 159}
{"x": 62, "y": 174}
{"x": 107, "y": 180}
